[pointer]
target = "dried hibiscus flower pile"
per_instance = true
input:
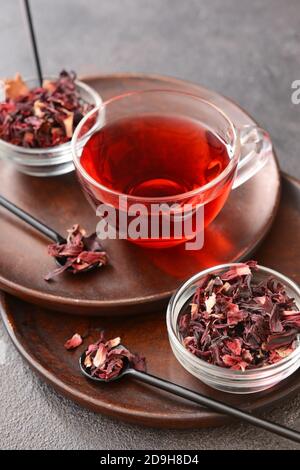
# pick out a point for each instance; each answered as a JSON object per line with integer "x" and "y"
{"x": 43, "y": 116}
{"x": 78, "y": 253}
{"x": 106, "y": 359}
{"x": 239, "y": 324}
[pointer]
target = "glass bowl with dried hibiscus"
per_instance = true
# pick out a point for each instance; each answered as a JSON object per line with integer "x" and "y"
{"x": 236, "y": 327}
{"x": 37, "y": 122}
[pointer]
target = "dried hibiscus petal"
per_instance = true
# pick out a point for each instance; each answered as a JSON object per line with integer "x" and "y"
{"x": 235, "y": 323}
{"x": 106, "y": 359}
{"x": 79, "y": 252}
{"x": 235, "y": 346}
{"x": 100, "y": 356}
{"x": 73, "y": 342}
{"x": 234, "y": 314}
{"x": 234, "y": 362}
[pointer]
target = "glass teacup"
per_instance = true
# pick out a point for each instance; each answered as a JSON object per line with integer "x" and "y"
{"x": 159, "y": 164}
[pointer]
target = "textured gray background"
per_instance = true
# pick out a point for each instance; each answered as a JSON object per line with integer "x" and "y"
{"x": 249, "y": 51}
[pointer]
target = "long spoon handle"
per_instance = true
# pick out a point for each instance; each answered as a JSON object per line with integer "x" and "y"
{"x": 214, "y": 404}
{"x": 33, "y": 40}
{"x": 56, "y": 237}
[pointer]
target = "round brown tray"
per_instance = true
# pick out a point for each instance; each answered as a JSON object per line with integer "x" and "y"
{"x": 39, "y": 336}
{"x": 137, "y": 280}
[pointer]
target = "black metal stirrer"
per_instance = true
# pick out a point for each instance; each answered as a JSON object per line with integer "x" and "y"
{"x": 42, "y": 228}
{"x": 33, "y": 40}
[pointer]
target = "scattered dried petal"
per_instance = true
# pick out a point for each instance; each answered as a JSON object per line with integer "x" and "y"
{"x": 73, "y": 342}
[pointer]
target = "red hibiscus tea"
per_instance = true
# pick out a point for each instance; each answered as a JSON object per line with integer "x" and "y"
{"x": 154, "y": 156}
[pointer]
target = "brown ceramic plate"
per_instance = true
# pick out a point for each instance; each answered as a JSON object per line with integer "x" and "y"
{"x": 39, "y": 336}
{"x": 136, "y": 279}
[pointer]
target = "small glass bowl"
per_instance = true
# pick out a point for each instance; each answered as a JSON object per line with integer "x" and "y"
{"x": 228, "y": 380}
{"x": 51, "y": 161}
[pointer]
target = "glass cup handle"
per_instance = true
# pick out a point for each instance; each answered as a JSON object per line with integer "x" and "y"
{"x": 256, "y": 149}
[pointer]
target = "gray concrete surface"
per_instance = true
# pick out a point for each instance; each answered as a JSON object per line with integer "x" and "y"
{"x": 249, "y": 51}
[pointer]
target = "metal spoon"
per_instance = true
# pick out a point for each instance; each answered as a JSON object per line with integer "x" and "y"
{"x": 194, "y": 397}
{"x": 42, "y": 228}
